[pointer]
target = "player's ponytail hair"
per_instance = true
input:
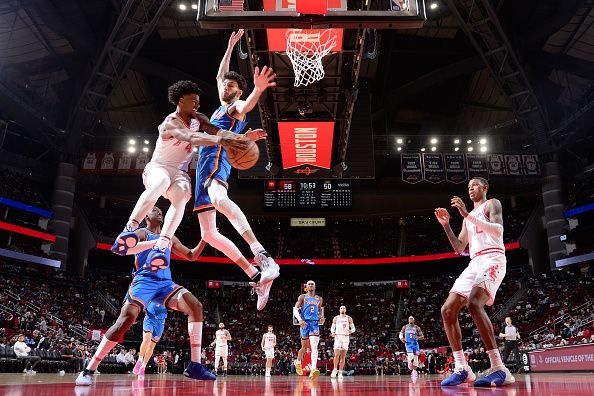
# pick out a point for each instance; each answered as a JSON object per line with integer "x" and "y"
{"x": 181, "y": 88}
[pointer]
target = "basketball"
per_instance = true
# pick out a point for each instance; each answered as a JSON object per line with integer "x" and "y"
{"x": 244, "y": 159}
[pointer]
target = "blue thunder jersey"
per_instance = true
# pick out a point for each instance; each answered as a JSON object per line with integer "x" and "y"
{"x": 221, "y": 119}
{"x": 310, "y": 310}
{"x": 141, "y": 260}
{"x": 409, "y": 333}
{"x": 156, "y": 311}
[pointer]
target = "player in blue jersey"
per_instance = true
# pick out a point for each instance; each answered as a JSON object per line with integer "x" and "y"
{"x": 152, "y": 327}
{"x": 155, "y": 284}
{"x": 213, "y": 170}
{"x": 309, "y": 311}
{"x": 410, "y": 335}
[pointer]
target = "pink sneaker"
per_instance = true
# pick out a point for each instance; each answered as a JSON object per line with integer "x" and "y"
{"x": 137, "y": 367}
{"x": 141, "y": 371}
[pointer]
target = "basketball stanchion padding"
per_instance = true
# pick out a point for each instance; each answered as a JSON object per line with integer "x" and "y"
{"x": 311, "y": 7}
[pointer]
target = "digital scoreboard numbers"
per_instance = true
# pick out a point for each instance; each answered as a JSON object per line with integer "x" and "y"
{"x": 308, "y": 195}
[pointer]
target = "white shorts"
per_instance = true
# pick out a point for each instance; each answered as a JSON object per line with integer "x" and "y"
{"x": 222, "y": 351}
{"x": 269, "y": 353}
{"x": 487, "y": 271}
{"x": 154, "y": 173}
{"x": 341, "y": 342}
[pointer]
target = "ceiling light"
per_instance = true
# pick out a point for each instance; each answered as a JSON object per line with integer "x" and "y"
{"x": 399, "y": 148}
{"x": 469, "y": 141}
{"x": 433, "y": 6}
{"x": 132, "y": 142}
{"x": 483, "y": 141}
{"x": 146, "y": 142}
{"x": 456, "y": 148}
{"x": 423, "y": 149}
{"x": 484, "y": 149}
{"x": 145, "y": 149}
{"x": 456, "y": 141}
{"x": 182, "y": 7}
{"x": 433, "y": 140}
{"x": 131, "y": 149}
{"x": 470, "y": 148}
{"x": 433, "y": 148}
{"x": 399, "y": 140}
{"x": 194, "y": 6}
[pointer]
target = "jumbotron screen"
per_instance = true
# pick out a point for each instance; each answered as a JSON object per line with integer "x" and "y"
{"x": 308, "y": 195}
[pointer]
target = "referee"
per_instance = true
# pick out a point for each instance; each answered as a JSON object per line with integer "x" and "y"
{"x": 512, "y": 338}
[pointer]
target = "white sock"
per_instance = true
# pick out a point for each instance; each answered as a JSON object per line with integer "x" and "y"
{"x": 495, "y": 358}
{"x": 257, "y": 247}
{"x": 131, "y": 225}
{"x": 459, "y": 358}
{"x": 251, "y": 271}
{"x": 143, "y": 363}
{"x": 195, "y": 333}
{"x": 163, "y": 242}
{"x": 103, "y": 349}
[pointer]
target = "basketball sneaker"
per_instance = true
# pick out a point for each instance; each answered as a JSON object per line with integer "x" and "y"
{"x": 126, "y": 240}
{"x": 414, "y": 376}
{"x": 334, "y": 373}
{"x": 84, "y": 379}
{"x": 340, "y": 374}
{"x": 495, "y": 376}
{"x": 270, "y": 270}
{"x": 460, "y": 376}
{"x": 315, "y": 373}
{"x": 199, "y": 371}
{"x": 263, "y": 292}
{"x": 137, "y": 366}
{"x": 156, "y": 260}
{"x": 298, "y": 368}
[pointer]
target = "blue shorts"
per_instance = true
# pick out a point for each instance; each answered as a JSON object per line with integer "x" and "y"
{"x": 312, "y": 329}
{"x": 154, "y": 326}
{"x": 412, "y": 348}
{"x": 210, "y": 167}
{"x": 144, "y": 289}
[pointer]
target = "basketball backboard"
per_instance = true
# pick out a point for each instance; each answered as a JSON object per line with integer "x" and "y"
{"x": 348, "y": 14}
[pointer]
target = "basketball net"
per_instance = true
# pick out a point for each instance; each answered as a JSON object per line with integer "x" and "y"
{"x": 306, "y": 49}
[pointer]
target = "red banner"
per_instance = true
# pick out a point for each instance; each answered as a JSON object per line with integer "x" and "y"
{"x": 402, "y": 284}
{"x": 572, "y": 358}
{"x": 306, "y": 143}
{"x": 214, "y": 284}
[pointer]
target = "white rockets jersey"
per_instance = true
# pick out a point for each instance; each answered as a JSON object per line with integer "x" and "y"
{"x": 269, "y": 340}
{"x": 221, "y": 338}
{"x": 170, "y": 151}
{"x": 479, "y": 240}
{"x": 342, "y": 325}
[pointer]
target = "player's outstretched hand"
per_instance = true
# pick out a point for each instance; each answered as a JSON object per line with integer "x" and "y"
{"x": 459, "y": 204}
{"x": 302, "y": 324}
{"x": 235, "y": 37}
{"x": 256, "y": 134}
{"x": 264, "y": 79}
{"x": 322, "y": 321}
{"x": 233, "y": 142}
{"x": 442, "y": 216}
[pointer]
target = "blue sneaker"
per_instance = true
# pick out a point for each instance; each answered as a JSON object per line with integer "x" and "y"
{"x": 460, "y": 376}
{"x": 199, "y": 371}
{"x": 495, "y": 376}
{"x": 156, "y": 260}
{"x": 126, "y": 240}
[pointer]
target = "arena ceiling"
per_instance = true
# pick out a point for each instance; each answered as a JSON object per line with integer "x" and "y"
{"x": 421, "y": 82}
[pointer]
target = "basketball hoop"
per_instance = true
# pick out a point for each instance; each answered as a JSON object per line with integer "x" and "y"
{"x": 306, "y": 49}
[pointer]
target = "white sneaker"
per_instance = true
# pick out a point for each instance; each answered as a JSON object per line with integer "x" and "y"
{"x": 268, "y": 374}
{"x": 31, "y": 372}
{"x": 334, "y": 372}
{"x": 263, "y": 291}
{"x": 340, "y": 374}
{"x": 25, "y": 371}
{"x": 269, "y": 269}
{"x": 84, "y": 380}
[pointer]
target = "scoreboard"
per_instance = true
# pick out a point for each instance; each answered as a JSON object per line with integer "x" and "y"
{"x": 306, "y": 195}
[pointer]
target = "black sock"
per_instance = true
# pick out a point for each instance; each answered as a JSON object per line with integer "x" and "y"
{"x": 256, "y": 277}
{"x": 88, "y": 372}
{"x": 265, "y": 253}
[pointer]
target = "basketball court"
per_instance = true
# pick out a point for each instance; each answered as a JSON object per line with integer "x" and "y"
{"x": 51, "y": 384}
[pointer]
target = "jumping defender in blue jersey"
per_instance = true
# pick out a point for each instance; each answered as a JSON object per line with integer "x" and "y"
{"x": 155, "y": 284}
{"x": 213, "y": 170}
{"x": 311, "y": 316}
{"x": 410, "y": 335}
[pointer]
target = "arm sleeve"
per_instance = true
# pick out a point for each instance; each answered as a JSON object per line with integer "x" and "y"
{"x": 352, "y": 329}
{"x": 493, "y": 229}
{"x": 296, "y": 313}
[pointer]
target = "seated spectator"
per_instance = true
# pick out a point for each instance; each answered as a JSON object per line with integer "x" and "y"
{"x": 130, "y": 360}
{"x": 72, "y": 356}
{"x": 21, "y": 350}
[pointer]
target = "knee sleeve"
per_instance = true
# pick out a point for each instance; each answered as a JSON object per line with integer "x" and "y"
{"x": 219, "y": 198}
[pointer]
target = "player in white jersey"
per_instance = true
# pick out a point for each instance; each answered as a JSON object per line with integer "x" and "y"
{"x": 222, "y": 337}
{"x": 165, "y": 175}
{"x": 268, "y": 343}
{"x": 482, "y": 229}
{"x": 342, "y": 327}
